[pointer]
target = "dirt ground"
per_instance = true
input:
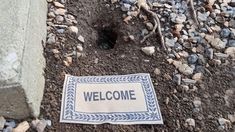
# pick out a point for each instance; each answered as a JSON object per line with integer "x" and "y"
{"x": 127, "y": 58}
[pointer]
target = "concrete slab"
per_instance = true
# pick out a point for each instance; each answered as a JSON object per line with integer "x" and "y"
{"x": 22, "y": 30}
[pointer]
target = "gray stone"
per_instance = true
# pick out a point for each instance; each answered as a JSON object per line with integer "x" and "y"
{"x": 144, "y": 32}
{"x": 201, "y": 59}
{"x": 181, "y": 18}
{"x": 225, "y": 32}
{"x": 177, "y": 79}
{"x": 129, "y": 1}
{"x": 51, "y": 38}
{"x": 170, "y": 42}
{"x": 59, "y": 31}
{"x": 192, "y": 59}
{"x": 218, "y": 43}
{"x": 210, "y": 53}
{"x": 39, "y": 125}
{"x": 8, "y": 129}
{"x": 125, "y": 7}
{"x": 188, "y": 81}
{"x": 197, "y": 103}
{"x": 221, "y": 55}
{"x": 23, "y": 29}
{"x": 231, "y": 43}
{"x": 10, "y": 124}
{"x": 202, "y": 16}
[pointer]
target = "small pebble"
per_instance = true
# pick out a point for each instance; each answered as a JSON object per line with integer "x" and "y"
{"x": 230, "y": 51}
{"x": 177, "y": 79}
{"x": 60, "y": 11}
{"x": 150, "y": 50}
{"x": 225, "y": 32}
{"x": 188, "y": 81}
{"x": 58, "y": 4}
{"x": 197, "y": 76}
{"x": 59, "y": 19}
{"x": 157, "y": 71}
{"x": 81, "y": 38}
{"x": 149, "y": 26}
{"x": 231, "y": 43}
{"x": 80, "y": 48}
{"x": 51, "y": 38}
{"x": 190, "y": 122}
{"x": 73, "y": 29}
{"x": 125, "y": 7}
{"x": 192, "y": 59}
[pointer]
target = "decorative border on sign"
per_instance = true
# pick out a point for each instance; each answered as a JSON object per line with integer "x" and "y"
{"x": 152, "y": 113}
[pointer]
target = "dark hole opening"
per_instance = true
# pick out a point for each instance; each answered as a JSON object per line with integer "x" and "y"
{"x": 107, "y": 37}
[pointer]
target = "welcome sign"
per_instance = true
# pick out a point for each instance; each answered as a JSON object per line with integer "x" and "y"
{"x": 119, "y": 99}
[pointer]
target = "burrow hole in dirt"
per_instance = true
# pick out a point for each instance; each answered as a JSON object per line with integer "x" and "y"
{"x": 107, "y": 37}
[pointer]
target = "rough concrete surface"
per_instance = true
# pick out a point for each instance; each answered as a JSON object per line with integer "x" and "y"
{"x": 22, "y": 30}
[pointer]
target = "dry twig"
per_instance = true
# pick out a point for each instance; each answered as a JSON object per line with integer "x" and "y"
{"x": 142, "y": 4}
{"x": 194, "y": 12}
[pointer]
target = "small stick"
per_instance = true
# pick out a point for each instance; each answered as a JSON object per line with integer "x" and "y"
{"x": 160, "y": 34}
{"x": 151, "y": 33}
{"x": 157, "y": 25}
{"x": 194, "y": 12}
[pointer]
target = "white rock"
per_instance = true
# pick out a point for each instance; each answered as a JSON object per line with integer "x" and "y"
{"x": 114, "y": 1}
{"x": 215, "y": 42}
{"x": 228, "y": 94}
{"x": 180, "y": 18}
{"x": 230, "y": 51}
{"x": 73, "y": 29}
{"x": 150, "y": 50}
{"x": 177, "y": 64}
{"x": 80, "y": 48}
{"x": 55, "y": 51}
{"x": 22, "y": 127}
{"x": 190, "y": 122}
{"x": 131, "y": 37}
{"x": 59, "y": 19}
{"x": 211, "y": 2}
{"x": 49, "y": 1}
{"x": 51, "y": 14}
{"x": 49, "y": 123}
{"x": 149, "y": 25}
{"x": 60, "y": 11}
{"x": 224, "y": 123}
{"x": 170, "y": 61}
{"x": 188, "y": 81}
{"x": 41, "y": 125}
{"x": 81, "y": 38}
{"x": 231, "y": 117}
{"x": 197, "y": 103}
{"x": 218, "y": 43}
{"x": 197, "y": 76}
{"x": 2, "y": 122}
{"x": 51, "y": 38}
{"x": 185, "y": 69}
{"x": 157, "y": 71}
{"x": 58, "y": 4}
